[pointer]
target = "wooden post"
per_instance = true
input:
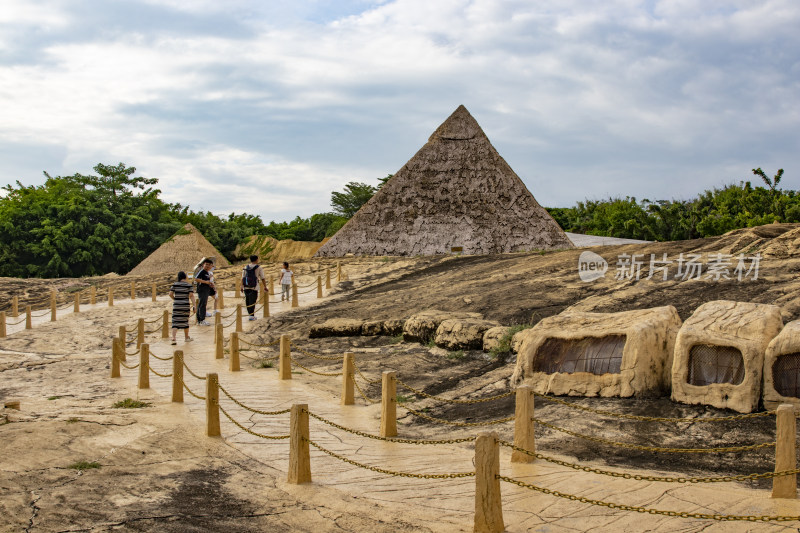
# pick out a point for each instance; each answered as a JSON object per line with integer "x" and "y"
{"x": 239, "y": 327}
{"x": 212, "y": 406}
{"x": 338, "y": 271}
{"x": 234, "y": 366}
{"x": 488, "y": 504}
{"x": 238, "y": 287}
{"x": 523, "y": 425}
{"x": 144, "y": 366}
{"x": 294, "y": 295}
{"x": 133, "y": 290}
{"x": 28, "y": 317}
{"x": 139, "y": 332}
{"x": 319, "y": 286}
{"x": 327, "y": 278}
{"x": 271, "y": 287}
{"x": 92, "y": 295}
{"x": 2, "y": 324}
{"x": 348, "y": 378}
{"x": 285, "y": 358}
{"x": 389, "y": 404}
{"x": 177, "y": 376}
{"x": 77, "y": 307}
{"x": 217, "y": 322}
{"x": 115, "y": 347}
{"x": 111, "y": 296}
{"x": 123, "y": 339}
{"x": 154, "y": 294}
{"x": 165, "y": 325}
{"x": 265, "y": 300}
{"x": 14, "y": 306}
{"x": 220, "y": 297}
{"x": 220, "y": 344}
{"x": 785, "y": 439}
{"x": 52, "y": 306}
{"x": 299, "y": 458}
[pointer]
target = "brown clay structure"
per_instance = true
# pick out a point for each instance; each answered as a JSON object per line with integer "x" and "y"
{"x": 457, "y": 194}
{"x": 599, "y": 354}
{"x": 719, "y": 354}
{"x": 782, "y": 368}
{"x": 180, "y": 252}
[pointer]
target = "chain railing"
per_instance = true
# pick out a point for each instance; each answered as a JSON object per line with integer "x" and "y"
{"x": 573, "y": 405}
{"x": 192, "y": 373}
{"x": 162, "y": 358}
{"x": 185, "y": 386}
{"x": 640, "y": 477}
{"x": 365, "y": 378}
{"x": 159, "y": 374}
{"x": 129, "y": 367}
{"x": 454, "y": 423}
{"x": 648, "y": 510}
{"x": 600, "y": 440}
{"x": 388, "y": 439}
{"x": 316, "y": 356}
{"x": 250, "y": 431}
{"x": 363, "y": 395}
{"x": 389, "y": 472}
{"x": 133, "y": 353}
{"x": 245, "y": 407}
{"x": 20, "y": 321}
{"x": 448, "y": 400}
{"x": 326, "y": 374}
{"x": 273, "y": 343}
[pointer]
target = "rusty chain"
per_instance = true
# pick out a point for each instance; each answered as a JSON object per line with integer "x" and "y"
{"x": 185, "y": 386}
{"x": 245, "y": 407}
{"x": 327, "y": 374}
{"x": 648, "y": 510}
{"x": 447, "y": 400}
{"x": 133, "y": 353}
{"x": 451, "y": 423}
{"x": 131, "y": 367}
{"x": 361, "y": 392}
{"x": 273, "y": 343}
{"x": 315, "y": 356}
{"x": 158, "y": 374}
{"x": 388, "y": 439}
{"x": 192, "y": 373}
{"x": 654, "y": 448}
{"x": 573, "y": 405}
{"x": 162, "y": 358}
{"x": 365, "y": 378}
{"x": 250, "y": 431}
{"x": 389, "y": 472}
{"x": 639, "y": 477}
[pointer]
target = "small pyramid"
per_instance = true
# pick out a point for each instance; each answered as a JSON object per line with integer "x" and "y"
{"x": 180, "y": 252}
{"x": 455, "y": 194}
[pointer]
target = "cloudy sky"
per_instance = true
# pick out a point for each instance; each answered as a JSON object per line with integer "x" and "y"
{"x": 267, "y": 106}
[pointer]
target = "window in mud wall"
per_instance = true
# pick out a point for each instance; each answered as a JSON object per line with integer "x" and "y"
{"x": 597, "y": 355}
{"x": 786, "y": 375}
{"x": 709, "y": 364}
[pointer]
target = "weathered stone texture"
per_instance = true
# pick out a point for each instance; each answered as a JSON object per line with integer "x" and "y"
{"x": 492, "y": 336}
{"x": 462, "y": 333}
{"x": 393, "y": 326}
{"x": 745, "y": 326}
{"x": 456, "y": 191}
{"x": 421, "y": 327}
{"x": 646, "y": 355}
{"x": 336, "y": 327}
{"x": 786, "y": 342}
{"x": 371, "y": 328}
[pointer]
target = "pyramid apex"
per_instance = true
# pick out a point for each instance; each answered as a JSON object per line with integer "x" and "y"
{"x": 460, "y": 125}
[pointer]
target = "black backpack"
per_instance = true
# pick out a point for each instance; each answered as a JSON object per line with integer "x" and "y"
{"x": 250, "y": 279}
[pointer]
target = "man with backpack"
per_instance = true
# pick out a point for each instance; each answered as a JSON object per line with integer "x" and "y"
{"x": 252, "y": 275}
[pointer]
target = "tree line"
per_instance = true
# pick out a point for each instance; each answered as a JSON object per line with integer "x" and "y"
{"x": 80, "y": 225}
{"x": 713, "y": 212}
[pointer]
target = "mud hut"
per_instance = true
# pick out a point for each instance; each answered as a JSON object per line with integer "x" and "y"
{"x": 455, "y": 195}
{"x": 600, "y": 354}
{"x": 782, "y": 368}
{"x": 719, "y": 354}
{"x": 180, "y": 252}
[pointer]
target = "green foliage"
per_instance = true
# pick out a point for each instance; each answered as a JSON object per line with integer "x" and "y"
{"x": 130, "y": 403}
{"x": 402, "y": 398}
{"x": 73, "y": 420}
{"x": 355, "y": 194}
{"x": 456, "y": 355}
{"x": 711, "y": 213}
{"x": 263, "y": 363}
{"x": 396, "y": 339}
{"x": 504, "y": 344}
{"x": 84, "y": 465}
{"x": 315, "y": 228}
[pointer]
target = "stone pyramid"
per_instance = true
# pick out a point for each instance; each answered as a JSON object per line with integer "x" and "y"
{"x": 455, "y": 195}
{"x": 180, "y": 252}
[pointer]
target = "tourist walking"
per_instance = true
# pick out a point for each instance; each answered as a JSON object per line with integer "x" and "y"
{"x": 204, "y": 286}
{"x": 286, "y": 281}
{"x": 252, "y": 277}
{"x": 182, "y": 295}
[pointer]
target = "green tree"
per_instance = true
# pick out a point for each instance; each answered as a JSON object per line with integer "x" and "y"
{"x": 355, "y": 194}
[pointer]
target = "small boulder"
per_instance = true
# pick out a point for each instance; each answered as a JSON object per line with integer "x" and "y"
{"x": 371, "y": 328}
{"x": 336, "y": 327}
{"x": 520, "y": 338}
{"x": 492, "y": 336}
{"x": 421, "y": 327}
{"x": 393, "y": 326}
{"x": 462, "y": 333}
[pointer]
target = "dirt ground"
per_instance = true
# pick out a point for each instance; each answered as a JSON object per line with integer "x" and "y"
{"x": 159, "y": 476}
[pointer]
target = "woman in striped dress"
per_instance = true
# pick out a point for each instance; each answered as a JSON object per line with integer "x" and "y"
{"x": 182, "y": 294}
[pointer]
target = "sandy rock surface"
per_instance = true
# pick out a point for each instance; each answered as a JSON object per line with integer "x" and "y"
{"x": 462, "y": 333}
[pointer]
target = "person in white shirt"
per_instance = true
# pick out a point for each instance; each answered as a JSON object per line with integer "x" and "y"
{"x": 286, "y": 281}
